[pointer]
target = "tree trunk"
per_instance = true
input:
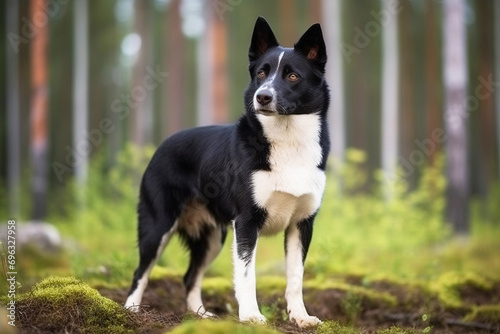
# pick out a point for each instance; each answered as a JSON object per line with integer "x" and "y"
{"x": 174, "y": 109}
{"x": 486, "y": 113}
{"x": 80, "y": 90}
{"x": 212, "y": 67}
{"x": 407, "y": 129}
{"x": 203, "y": 62}
{"x": 39, "y": 111}
{"x": 332, "y": 24}
{"x": 455, "y": 118}
{"x": 219, "y": 88}
{"x": 13, "y": 110}
{"x": 287, "y": 33}
{"x": 497, "y": 75}
{"x": 142, "y": 118}
{"x": 432, "y": 77}
{"x": 390, "y": 96}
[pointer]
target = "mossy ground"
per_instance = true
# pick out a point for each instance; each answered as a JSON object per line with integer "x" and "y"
{"x": 352, "y": 305}
{"x": 374, "y": 266}
{"x": 67, "y": 305}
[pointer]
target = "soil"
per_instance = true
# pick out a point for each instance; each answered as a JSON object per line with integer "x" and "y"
{"x": 414, "y": 308}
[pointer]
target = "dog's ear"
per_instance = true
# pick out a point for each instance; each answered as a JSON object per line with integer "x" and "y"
{"x": 262, "y": 39}
{"x": 312, "y": 46}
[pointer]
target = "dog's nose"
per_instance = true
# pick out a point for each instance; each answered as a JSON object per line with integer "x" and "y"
{"x": 264, "y": 97}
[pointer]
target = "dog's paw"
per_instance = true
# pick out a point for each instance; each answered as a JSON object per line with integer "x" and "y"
{"x": 206, "y": 315}
{"x": 255, "y": 317}
{"x": 305, "y": 321}
{"x": 133, "y": 308}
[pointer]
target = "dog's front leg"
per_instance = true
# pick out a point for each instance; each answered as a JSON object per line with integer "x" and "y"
{"x": 244, "y": 249}
{"x": 297, "y": 240}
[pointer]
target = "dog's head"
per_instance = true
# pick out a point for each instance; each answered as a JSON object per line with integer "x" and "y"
{"x": 286, "y": 81}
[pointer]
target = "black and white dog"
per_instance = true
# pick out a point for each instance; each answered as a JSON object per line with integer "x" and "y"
{"x": 265, "y": 174}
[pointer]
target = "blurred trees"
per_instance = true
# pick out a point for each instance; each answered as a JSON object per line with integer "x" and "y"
{"x": 39, "y": 141}
{"x": 141, "y": 122}
{"x": 332, "y": 31}
{"x": 12, "y": 120}
{"x": 214, "y": 61}
{"x": 386, "y": 21}
{"x": 455, "y": 113}
{"x": 496, "y": 36}
{"x": 80, "y": 90}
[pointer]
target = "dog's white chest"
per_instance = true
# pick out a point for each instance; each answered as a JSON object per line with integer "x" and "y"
{"x": 293, "y": 188}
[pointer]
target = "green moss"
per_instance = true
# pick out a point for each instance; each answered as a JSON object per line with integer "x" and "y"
{"x": 378, "y": 298}
{"x": 328, "y": 327}
{"x": 268, "y": 284}
{"x": 398, "y": 330}
{"x": 484, "y": 313}
{"x": 220, "y": 327}
{"x": 160, "y": 272}
{"x": 217, "y": 285}
{"x": 448, "y": 285}
{"x": 65, "y": 303}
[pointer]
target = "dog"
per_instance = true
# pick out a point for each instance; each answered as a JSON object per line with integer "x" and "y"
{"x": 263, "y": 175}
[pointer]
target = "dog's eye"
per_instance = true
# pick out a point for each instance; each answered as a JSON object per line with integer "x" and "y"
{"x": 261, "y": 74}
{"x": 293, "y": 77}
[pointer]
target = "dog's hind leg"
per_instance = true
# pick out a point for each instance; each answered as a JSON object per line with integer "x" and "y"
{"x": 150, "y": 249}
{"x": 203, "y": 250}
{"x": 158, "y": 215}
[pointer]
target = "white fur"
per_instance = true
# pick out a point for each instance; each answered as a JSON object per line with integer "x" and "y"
{"x": 290, "y": 192}
{"x": 134, "y": 300}
{"x": 293, "y": 188}
{"x": 294, "y": 274}
{"x": 277, "y": 68}
{"x": 245, "y": 287}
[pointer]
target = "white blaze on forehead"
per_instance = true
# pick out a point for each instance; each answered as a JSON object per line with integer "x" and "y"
{"x": 278, "y": 67}
{"x": 268, "y": 85}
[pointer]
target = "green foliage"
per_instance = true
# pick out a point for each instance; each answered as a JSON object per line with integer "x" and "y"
{"x": 102, "y": 217}
{"x": 352, "y": 305}
{"x": 275, "y": 312}
{"x": 360, "y": 231}
{"x": 220, "y": 327}
{"x": 356, "y": 232}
